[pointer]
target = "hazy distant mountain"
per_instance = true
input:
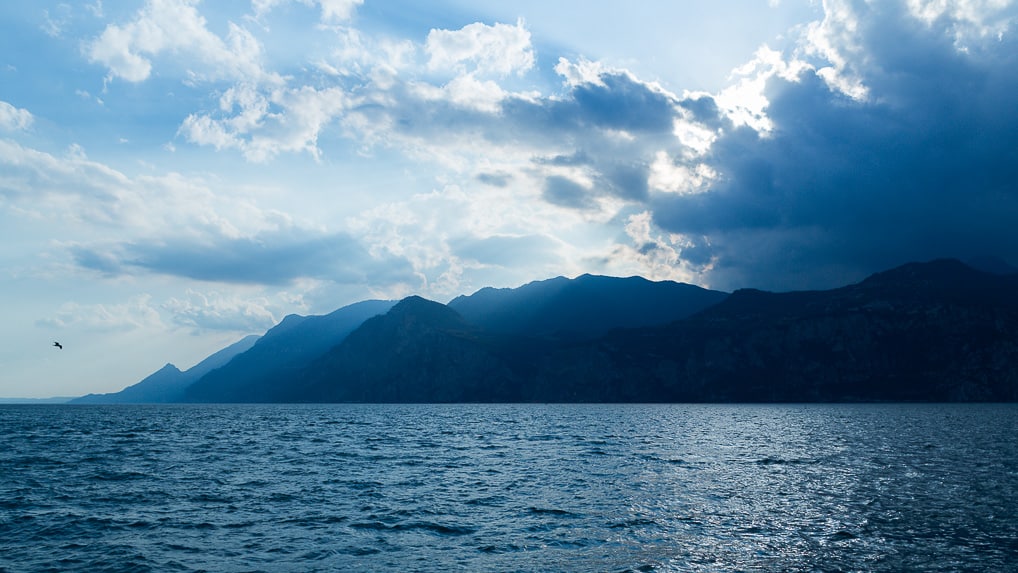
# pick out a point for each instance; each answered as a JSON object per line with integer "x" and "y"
{"x": 54, "y": 400}
{"x": 583, "y": 308}
{"x": 168, "y": 383}
{"x": 263, "y": 372}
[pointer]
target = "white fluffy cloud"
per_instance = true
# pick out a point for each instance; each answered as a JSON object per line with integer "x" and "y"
{"x": 969, "y": 20}
{"x": 262, "y": 125}
{"x": 13, "y": 118}
{"x": 653, "y": 254}
{"x": 221, "y": 311}
{"x": 137, "y": 313}
{"x": 333, "y": 11}
{"x": 176, "y": 27}
{"x": 481, "y": 49}
{"x": 75, "y": 190}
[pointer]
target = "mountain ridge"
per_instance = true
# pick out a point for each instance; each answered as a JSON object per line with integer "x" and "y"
{"x": 585, "y": 304}
{"x": 168, "y": 384}
{"x": 938, "y": 330}
{"x": 283, "y": 349}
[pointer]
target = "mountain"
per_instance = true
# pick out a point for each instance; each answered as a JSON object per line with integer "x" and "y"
{"x": 481, "y": 347}
{"x": 583, "y": 308}
{"x": 53, "y": 400}
{"x": 937, "y": 331}
{"x": 168, "y": 383}
{"x": 992, "y": 265}
{"x": 934, "y": 331}
{"x": 262, "y": 373}
{"x": 420, "y": 351}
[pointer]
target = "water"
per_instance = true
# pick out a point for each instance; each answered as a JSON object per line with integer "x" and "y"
{"x": 509, "y": 488}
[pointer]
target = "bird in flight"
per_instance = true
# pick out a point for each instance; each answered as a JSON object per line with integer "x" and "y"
{"x": 58, "y": 345}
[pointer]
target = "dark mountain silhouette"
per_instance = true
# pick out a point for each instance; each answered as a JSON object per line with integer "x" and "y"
{"x": 992, "y": 265}
{"x": 938, "y": 331}
{"x": 168, "y": 383}
{"x": 261, "y": 373}
{"x": 583, "y": 308}
{"x": 496, "y": 346}
{"x": 420, "y": 351}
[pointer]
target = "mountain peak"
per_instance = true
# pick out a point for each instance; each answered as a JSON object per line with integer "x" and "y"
{"x": 937, "y": 269}
{"x": 418, "y": 309}
{"x": 585, "y": 307}
{"x": 414, "y": 301}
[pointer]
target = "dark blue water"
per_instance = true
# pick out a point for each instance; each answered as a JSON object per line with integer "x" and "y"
{"x": 509, "y": 488}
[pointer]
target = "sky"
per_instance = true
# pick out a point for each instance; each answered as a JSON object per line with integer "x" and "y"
{"x": 176, "y": 174}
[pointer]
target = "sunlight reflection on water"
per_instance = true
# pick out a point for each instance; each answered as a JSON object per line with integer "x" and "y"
{"x": 509, "y": 487}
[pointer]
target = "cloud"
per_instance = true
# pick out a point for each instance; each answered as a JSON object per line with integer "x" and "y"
{"x": 968, "y": 21}
{"x": 264, "y": 125}
{"x": 333, "y": 11}
{"x": 77, "y": 191}
{"x": 219, "y": 311}
{"x": 68, "y": 188}
{"x": 54, "y": 24}
{"x": 457, "y": 240}
{"x": 178, "y": 226}
{"x": 611, "y": 128}
{"x": 481, "y": 49}
{"x": 919, "y": 165}
{"x": 507, "y": 250}
{"x": 268, "y": 258}
{"x": 619, "y": 101}
{"x": 566, "y": 192}
{"x": 137, "y": 313}
{"x": 496, "y": 179}
{"x": 176, "y": 27}
{"x": 882, "y": 134}
{"x": 13, "y": 118}
{"x": 655, "y": 255}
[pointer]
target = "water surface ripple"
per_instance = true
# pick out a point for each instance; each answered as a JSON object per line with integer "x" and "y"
{"x": 509, "y": 488}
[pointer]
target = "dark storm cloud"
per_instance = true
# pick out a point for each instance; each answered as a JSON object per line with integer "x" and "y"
{"x": 572, "y": 160}
{"x": 611, "y": 127}
{"x": 500, "y": 179}
{"x": 585, "y": 120}
{"x": 565, "y": 192}
{"x": 103, "y": 261}
{"x": 925, "y": 167}
{"x": 627, "y": 181}
{"x": 620, "y": 102}
{"x": 704, "y": 109}
{"x": 273, "y": 258}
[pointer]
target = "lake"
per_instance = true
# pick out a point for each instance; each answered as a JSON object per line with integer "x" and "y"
{"x": 886, "y": 487}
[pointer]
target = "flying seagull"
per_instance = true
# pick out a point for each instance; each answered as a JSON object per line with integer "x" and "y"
{"x": 58, "y": 345}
